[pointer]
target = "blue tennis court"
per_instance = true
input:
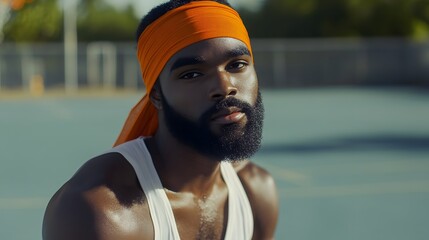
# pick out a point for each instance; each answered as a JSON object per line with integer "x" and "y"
{"x": 350, "y": 163}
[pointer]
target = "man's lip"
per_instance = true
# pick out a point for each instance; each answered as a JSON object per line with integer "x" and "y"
{"x": 228, "y": 116}
{"x": 225, "y": 112}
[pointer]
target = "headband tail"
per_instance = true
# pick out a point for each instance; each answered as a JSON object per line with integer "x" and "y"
{"x": 142, "y": 121}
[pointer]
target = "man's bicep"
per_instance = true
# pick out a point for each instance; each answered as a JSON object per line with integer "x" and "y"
{"x": 69, "y": 217}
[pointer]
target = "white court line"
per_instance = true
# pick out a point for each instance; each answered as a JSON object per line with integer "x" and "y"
{"x": 357, "y": 190}
{"x": 288, "y": 175}
{"x": 57, "y": 110}
{"x": 378, "y": 167}
{"x": 305, "y": 175}
{"x": 23, "y": 203}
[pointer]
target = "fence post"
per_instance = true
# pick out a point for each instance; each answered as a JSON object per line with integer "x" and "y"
{"x": 1, "y": 71}
{"x": 27, "y": 67}
{"x": 130, "y": 72}
{"x": 70, "y": 47}
{"x": 92, "y": 65}
{"x": 362, "y": 65}
{"x": 279, "y": 64}
{"x": 107, "y": 70}
{"x": 109, "y": 65}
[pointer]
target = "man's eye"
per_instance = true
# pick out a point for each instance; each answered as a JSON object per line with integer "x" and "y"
{"x": 190, "y": 75}
{"x": 238, "y": 65}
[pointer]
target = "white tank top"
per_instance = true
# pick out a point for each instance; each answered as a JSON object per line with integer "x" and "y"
{"x": 240, "y": 217}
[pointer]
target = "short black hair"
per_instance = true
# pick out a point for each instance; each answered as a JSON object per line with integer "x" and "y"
{"x": 162, "y": 9}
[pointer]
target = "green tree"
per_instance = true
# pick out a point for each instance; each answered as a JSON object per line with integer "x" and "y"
{"x": 42, "y": 21}
{"x": 340, "y": 18}
{"x": 36, "y": 22}
{"x": 99, "y": 21}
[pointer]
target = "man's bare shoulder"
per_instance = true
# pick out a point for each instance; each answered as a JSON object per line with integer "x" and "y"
{"x": 262, "y": 193}
{"x": 103, "y": 200}
{"x": 254, "y": 177}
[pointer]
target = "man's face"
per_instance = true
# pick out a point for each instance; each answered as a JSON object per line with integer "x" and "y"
{"x": 210, "y": 99}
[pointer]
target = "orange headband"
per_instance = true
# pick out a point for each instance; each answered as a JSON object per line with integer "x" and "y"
{"x": 175, "y": 30}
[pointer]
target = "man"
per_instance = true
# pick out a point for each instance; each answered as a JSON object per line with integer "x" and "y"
{"x": 189, "y": 177}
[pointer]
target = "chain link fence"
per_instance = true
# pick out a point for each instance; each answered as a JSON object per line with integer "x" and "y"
{"x": 279, "y": 63}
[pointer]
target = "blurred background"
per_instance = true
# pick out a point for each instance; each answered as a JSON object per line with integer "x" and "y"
{"x": 346, "y": 91}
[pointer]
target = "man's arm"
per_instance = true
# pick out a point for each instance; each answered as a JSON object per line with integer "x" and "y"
{"x": 262, "y": 192}
{"x": 94, "y": 215}
{"x": 69, "y": 216}
{"x": 102, "y": 201}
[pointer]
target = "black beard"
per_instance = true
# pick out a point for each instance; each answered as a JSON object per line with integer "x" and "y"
{"x": 233, "y": 143}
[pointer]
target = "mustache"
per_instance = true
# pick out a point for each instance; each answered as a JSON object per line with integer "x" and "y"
{"x": 225, "y": 104}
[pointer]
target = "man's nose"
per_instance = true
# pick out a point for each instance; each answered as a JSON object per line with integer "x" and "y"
{"x": 222, "y": 86}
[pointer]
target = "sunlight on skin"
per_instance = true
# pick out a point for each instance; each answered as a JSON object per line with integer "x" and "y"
{"x": 124, "y": 218}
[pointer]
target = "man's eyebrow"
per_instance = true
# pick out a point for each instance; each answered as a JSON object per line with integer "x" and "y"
{"x": 237, "y": 52}
{"x": 181, "y": 62}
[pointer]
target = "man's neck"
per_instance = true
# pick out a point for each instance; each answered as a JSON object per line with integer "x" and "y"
{"x": 181, "y": 168}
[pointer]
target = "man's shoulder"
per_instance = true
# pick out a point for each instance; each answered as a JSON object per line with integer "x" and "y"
{"x": 100, "y": 191}
{"x": 258, "y": 184}
{"x": 109, "y": 172}
{"x": 108, "y": 176}
{"x": 262, "y": 193}
{"x": 253, "y": 175}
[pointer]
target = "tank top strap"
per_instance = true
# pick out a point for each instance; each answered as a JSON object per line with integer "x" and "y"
{"x": 240, "y": 216}
{"x": 138, "y": 156}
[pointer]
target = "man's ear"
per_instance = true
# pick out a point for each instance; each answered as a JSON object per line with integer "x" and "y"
{"x": 155, "y": 96}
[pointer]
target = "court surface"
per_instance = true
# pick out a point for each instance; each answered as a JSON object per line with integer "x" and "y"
{"x": 350, "y": 163}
